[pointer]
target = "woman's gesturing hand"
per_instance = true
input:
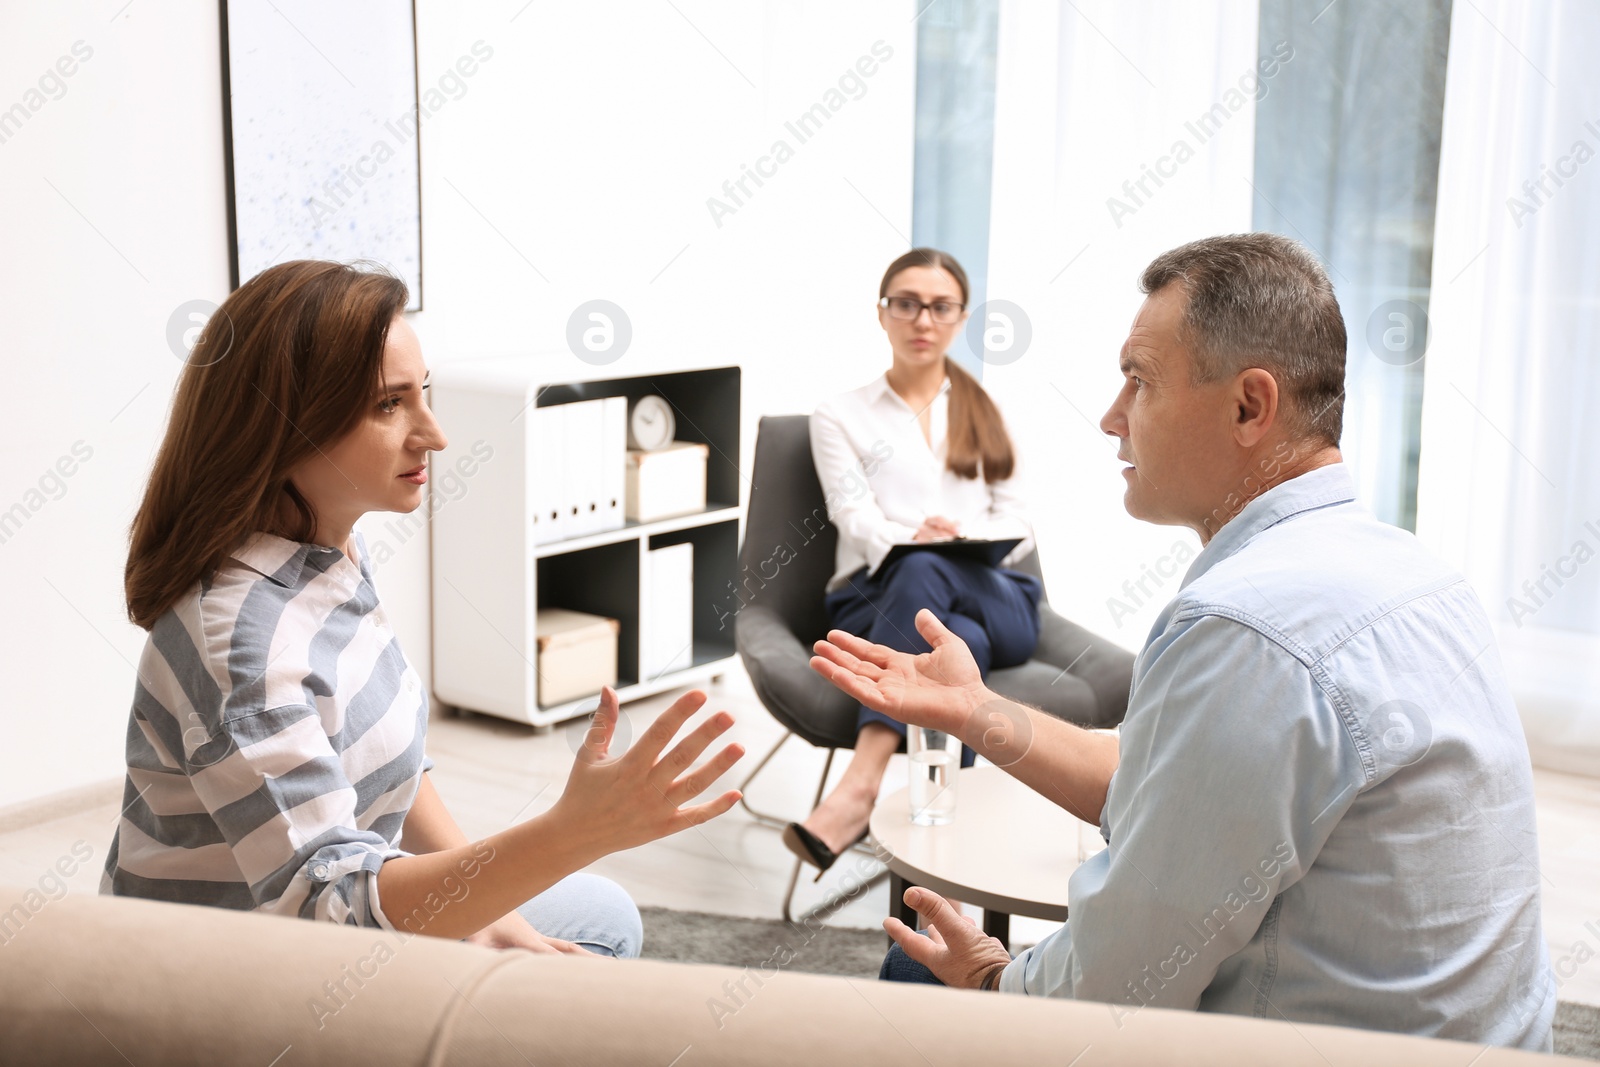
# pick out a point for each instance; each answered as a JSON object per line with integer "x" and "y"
{"x": 938, "y": 689}
{"x": 619, "y": 802}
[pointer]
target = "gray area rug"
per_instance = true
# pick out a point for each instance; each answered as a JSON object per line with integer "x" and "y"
{"x": 1578, "y": 1030}
{"x": 695, "y": 937}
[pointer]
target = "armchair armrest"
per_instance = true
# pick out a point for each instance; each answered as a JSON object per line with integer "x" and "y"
{"x": 1104, "y": 666}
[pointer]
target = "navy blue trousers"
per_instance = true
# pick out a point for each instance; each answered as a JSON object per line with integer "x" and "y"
{"x": 996, "y": 612}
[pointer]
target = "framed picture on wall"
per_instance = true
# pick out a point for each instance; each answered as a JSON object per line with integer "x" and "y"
{"x": 320, "y": 125}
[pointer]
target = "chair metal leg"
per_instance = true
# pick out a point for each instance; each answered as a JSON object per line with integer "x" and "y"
{"x": 777, "y": 822}
{"x": 788, "y": 894}
{"x": 832, "y": 904}
{"x": 794, "y": 878}
{"x": 762, "y": 817}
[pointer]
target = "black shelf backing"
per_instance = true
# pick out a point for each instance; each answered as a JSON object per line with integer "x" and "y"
{"x": 705, "y": 404}
{"x": 716, "y": 556}
{"x": 603, "y": 580}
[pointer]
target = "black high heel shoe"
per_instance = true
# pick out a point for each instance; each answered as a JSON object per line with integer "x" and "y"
{"x": 810, "y": 848}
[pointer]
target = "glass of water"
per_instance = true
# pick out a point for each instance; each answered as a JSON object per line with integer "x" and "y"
{"x": 935, "y": 759}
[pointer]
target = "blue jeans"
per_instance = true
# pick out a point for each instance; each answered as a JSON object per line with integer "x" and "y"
{"x": 898, "y": 967}
{"x": 591, "y": 911}
{"x": 996, "y": 612}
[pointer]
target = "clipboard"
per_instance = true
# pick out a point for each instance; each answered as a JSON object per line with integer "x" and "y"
{"x": 974, "y": 548}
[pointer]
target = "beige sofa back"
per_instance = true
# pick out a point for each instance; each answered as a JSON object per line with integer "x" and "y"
{"x": 95, "y": 980}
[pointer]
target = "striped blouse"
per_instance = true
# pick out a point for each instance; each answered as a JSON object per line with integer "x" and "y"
{"x": 275, "y": 743}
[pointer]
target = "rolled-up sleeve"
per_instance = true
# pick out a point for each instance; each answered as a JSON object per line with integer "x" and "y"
{"x": 280, "y": 796}
{"x": 1234, "y": 767}
{"x": 852, "y": 508}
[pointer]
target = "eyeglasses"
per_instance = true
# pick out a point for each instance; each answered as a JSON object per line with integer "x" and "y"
{"x": 907, "y": 308}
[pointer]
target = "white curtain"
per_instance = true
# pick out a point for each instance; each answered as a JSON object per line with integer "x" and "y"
{"x": 1122, "y": 129}
{"x": 1509, "y": 490}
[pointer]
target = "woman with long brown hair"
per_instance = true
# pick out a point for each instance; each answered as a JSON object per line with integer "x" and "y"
{"x": 920, "y": 453}
{"x": 275, "y": 745}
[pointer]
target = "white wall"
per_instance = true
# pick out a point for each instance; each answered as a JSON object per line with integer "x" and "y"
{"x": 115, "y": 217}
{"x": 583, "y": 150}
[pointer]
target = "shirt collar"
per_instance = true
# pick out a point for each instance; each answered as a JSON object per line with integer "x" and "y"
{"x": 1315, "y": 489}
{"x": 282, "y": 561}
{"x": 879, "y": 388}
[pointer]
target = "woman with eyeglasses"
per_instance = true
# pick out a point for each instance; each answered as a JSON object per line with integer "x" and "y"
{"x": 920, "y": 453}
{"x": 275, "y": 744}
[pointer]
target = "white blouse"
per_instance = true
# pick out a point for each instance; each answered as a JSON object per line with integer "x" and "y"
{"x": 881, "y": 478}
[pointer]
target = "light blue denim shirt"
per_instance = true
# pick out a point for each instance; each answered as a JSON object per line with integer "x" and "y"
{"x": 1323, "y": 810}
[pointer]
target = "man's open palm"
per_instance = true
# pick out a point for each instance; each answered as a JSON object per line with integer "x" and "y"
{"x": 936, "y": 689}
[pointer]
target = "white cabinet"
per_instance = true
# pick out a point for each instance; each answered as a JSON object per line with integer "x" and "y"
{"x": 491, "y": 574}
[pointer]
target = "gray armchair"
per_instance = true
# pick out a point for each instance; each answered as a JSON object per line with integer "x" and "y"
{"x": 784, "y": 564}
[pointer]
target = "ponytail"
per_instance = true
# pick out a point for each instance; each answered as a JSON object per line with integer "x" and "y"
{"x": 977, "y": 439}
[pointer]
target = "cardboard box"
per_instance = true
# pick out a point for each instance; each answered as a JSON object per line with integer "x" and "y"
{"x": 577, "y": 654}
{"x": 667, "y": 482}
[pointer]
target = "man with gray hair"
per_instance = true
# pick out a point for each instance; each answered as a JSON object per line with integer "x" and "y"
{"x": 1320, "y": 806}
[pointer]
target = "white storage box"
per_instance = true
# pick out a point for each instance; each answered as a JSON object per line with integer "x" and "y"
{"x": 577, "y": 654}
{"x": 669, "y": 602}
{"x": 668, "y": 482}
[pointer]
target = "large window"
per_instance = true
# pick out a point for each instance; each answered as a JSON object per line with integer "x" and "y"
{"x": 954, "y": 166}
{"x": 1347, "y": 160}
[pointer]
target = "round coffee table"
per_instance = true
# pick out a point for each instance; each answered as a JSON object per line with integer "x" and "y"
{"x": 1009, "y": 850}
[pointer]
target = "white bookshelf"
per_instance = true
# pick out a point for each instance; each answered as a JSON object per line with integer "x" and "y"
{"x": 489, "y": 578}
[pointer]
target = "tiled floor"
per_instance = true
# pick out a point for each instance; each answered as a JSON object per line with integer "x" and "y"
{"x": 492, "y": 772}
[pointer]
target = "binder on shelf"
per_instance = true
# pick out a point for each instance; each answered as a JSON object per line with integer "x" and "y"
{"x": 614, "y": 459}
{"x": 549, "y": 478}
{"x": 667, "y": 640}
{"x": 579, "y": 468}
{"x": 581, "y": 492}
